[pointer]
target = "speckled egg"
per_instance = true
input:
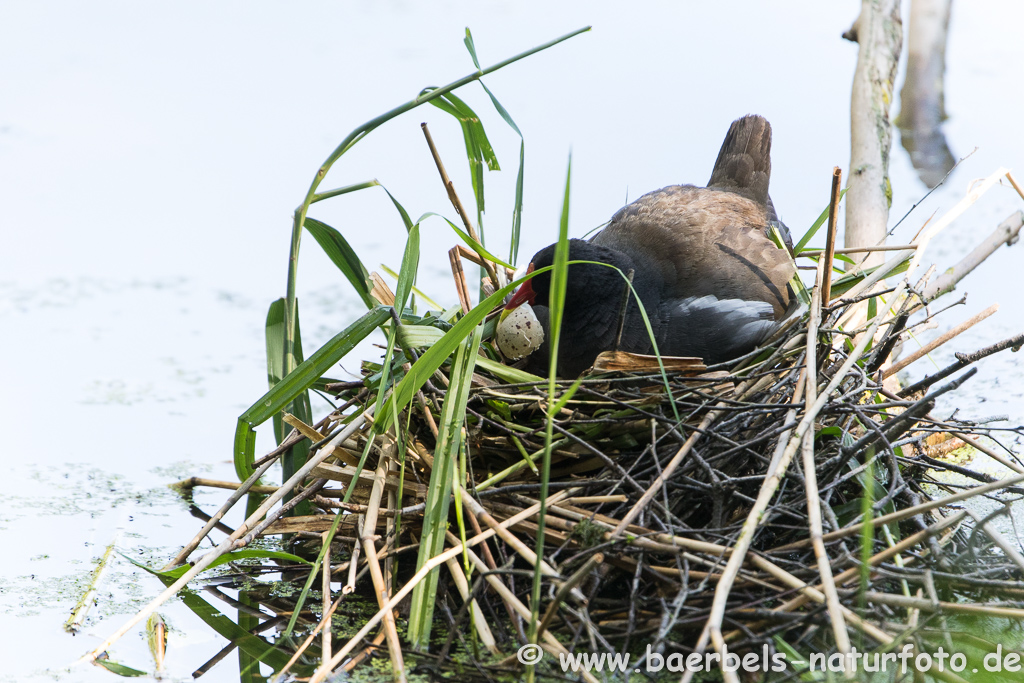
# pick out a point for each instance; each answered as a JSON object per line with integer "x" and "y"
{"x": 520, "y": 333}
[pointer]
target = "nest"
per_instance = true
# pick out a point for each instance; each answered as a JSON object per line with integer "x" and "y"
{"x": 791, "y": 501}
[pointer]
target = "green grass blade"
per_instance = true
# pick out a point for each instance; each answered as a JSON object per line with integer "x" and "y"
{"x": 559, "y": 278}
{"x": 407, "y": 274}
{"x": 470, "y": 242}
{"x": 234, "y": 556}
{"x": 517, "y": 209}
{"x": 119, "y": 669}
{"x": 296, "y": 383}
{"x": 401, "y": 210}
{"x": 442, "y": 477}
{"x": 253, "y": 645}
{"x": 361, "y": 132}
{"x": 320, "y": 196}
{"x": 296, "y": 456}
{"x": 468, "y": 40}
{"x": 343, "y": 256}
{"x": 437, "y": 354}
{"x": 848, "y": 282}
{"x": 506, "y": 373}
{"x": 815, "y": 227}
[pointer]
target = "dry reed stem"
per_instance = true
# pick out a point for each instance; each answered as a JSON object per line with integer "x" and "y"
{"x": 995, "y": 455}
{"x": 940, "y": 340}
{"x": 564, "y": 590}
{"x": 929, "y": 606}
{"x": 428, "y": 566}
{"x": 906, "y": 513}
{"x": 1013, "y": 182}
{"x": 85, "y": 603}
{"x": 475, "y": 613}
{"x": 460, "y": 281}
{"x": 453, "y": 196}
{"x": 819, "y": 296}
{"x": 521, "y": 548}
{"x": 552, "y": 643}
{"x": 380, "y": 588}
{"x": 236, "y": 539}
{"x": 825, "y": 282}
{"x": 325, "y": 589}
{"x": 304, "y": 429}
{"x": 1006, "y": 232}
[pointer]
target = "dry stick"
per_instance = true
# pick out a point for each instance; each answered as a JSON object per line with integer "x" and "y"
{"x": 552, "y": 643}
{"x": 671, "y": 544}
{"x": 524, "y": 550}
{"x": 563, "y": 592}
{"x": 460, "y": 280}
{"x": 909, "y": 512}
{"x": 660, "y": 480}
{"x": 830, "y": 245}
{"x": 195, "y": 482}
{"x": 939, "y": 341}
{"x": 479, "y": 620}
{"x": 236, "y": 540}
{"x": 929, "y": 606}
{"x": 380, "y": 588}
{"x": 456, "y": 202}
{"x": 245, "y": 487}
{"x": 797, "y": 397}
{"x": 428, "y": 566}
{"x": 859, "y": 250}
{"x": 962, "y": 361}
{"x": 768, "y": 488}
{"x": 1011, "y": 552}
{"x": 995, "y": 455}
{"x": 878, "y": 558}
{"x": 917, "y": 249}
{"x": 820, "y": 296}
{"x": 1005, "y": 233}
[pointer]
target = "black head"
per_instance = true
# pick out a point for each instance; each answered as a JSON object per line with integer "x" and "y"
{"x": 588, "y": 283}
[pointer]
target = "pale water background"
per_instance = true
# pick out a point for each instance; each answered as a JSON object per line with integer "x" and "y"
{"x": 150, "y": 158}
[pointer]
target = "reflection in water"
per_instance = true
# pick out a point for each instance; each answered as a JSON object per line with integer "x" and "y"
{"x": 923, "y": 108}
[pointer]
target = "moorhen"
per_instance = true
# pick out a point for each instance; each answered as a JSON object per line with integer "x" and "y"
{"x": 712, "y": 281}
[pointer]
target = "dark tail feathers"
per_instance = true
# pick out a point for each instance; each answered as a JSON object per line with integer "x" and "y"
{"x": 744, "y": 163}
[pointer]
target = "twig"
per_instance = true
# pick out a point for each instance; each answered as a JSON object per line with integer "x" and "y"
{"x": 235, "y": 540}
{"x": 1006, "y": 233}
{"x": 939, "y": 341}
{"x": 913, "y": 511}
{"x": 460, "y": 280}
{"x": 449, "y": 187}
{"x": 962, "y": 361}
{"x": 380, "y": 588}
{"x": 563, "y": 592}
{"x": 830, "y": 240}
{"x": 818, "y": 298}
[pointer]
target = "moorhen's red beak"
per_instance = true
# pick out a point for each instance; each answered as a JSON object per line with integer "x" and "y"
{"x": 523, "y": 295}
